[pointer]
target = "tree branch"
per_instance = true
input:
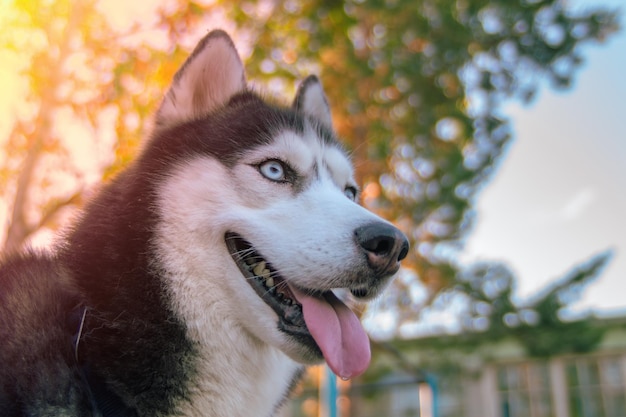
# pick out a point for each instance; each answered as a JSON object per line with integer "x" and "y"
{"x": 19, "y": 229}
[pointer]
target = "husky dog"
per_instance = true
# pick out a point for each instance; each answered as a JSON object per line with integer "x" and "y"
{"x": 200, "y": 281}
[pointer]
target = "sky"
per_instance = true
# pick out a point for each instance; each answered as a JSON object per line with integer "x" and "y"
{"x": 559, "y": 195}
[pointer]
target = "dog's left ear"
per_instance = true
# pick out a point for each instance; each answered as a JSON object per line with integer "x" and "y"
{"x": 212, "y": 74}
{"x": 311, "y": 100}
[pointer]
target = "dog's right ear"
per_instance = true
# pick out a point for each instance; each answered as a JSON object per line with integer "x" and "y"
{"x": 212, "y": 74}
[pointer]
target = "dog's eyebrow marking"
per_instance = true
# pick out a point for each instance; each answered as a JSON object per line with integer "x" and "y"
{"x": 338, "y": 165}
{"x": 299, "y": 153}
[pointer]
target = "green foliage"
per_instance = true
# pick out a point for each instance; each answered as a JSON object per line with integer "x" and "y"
{"x": 549, "y": 334}
{"x": 540, "y": 323}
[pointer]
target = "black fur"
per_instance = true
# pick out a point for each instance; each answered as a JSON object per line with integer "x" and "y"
{"x": 37, "y": 372}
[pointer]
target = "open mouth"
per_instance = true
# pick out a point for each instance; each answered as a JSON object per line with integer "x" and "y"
{"x": 271, "y": 287}
{"x": 316, "y": 319}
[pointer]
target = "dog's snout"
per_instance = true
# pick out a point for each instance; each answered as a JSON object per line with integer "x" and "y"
{"x": 384, "y": 245}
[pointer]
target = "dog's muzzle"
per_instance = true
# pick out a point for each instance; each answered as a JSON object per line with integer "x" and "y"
{"x": 315, "y": 317}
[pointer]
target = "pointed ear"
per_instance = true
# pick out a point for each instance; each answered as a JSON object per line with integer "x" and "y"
{"x": 212, "y": 74}
{"x": 311, "y": 101}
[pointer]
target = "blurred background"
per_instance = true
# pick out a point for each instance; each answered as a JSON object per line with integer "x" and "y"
{"x": 491, "y": 132}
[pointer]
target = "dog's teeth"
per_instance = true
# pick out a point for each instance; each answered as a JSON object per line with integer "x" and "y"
{"x": 269, "y": 281}
{"x": 258, "y": 268}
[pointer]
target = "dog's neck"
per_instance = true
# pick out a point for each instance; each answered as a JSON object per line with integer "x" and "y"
{"x": 217, "y": 377}
{"x": 236, "y": 373}
{"x": 239, "y": 385}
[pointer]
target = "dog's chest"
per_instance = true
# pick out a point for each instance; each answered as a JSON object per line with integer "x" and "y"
{"x": 254, "y": 385}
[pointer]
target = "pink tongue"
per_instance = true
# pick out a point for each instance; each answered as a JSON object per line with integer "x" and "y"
{"x": 338, "y": 333}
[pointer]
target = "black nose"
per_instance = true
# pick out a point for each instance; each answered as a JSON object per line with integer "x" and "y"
{"x": 384, "y": 245}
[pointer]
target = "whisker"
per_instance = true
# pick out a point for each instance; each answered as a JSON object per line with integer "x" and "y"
{"x": 243, "y": 253}
{"x": 250, "y": 260}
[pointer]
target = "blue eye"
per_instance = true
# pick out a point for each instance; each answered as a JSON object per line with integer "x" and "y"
{"x": 273, "y": 170}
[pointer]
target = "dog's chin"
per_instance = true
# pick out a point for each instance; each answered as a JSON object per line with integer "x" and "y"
{"x": 274, "y": 291}
{"x": 300, "y": 352}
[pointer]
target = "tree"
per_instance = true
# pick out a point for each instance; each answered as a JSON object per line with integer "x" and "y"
{"x": 485, "y": 309}
{"x": 77, "y": 72}
{"x": 416, "y": 89}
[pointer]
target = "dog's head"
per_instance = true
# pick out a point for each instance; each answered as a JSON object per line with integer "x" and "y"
{"x": 260, "y": 213}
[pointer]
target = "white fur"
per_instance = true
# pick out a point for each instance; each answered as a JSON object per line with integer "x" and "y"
{"x": 243, "y": 350}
